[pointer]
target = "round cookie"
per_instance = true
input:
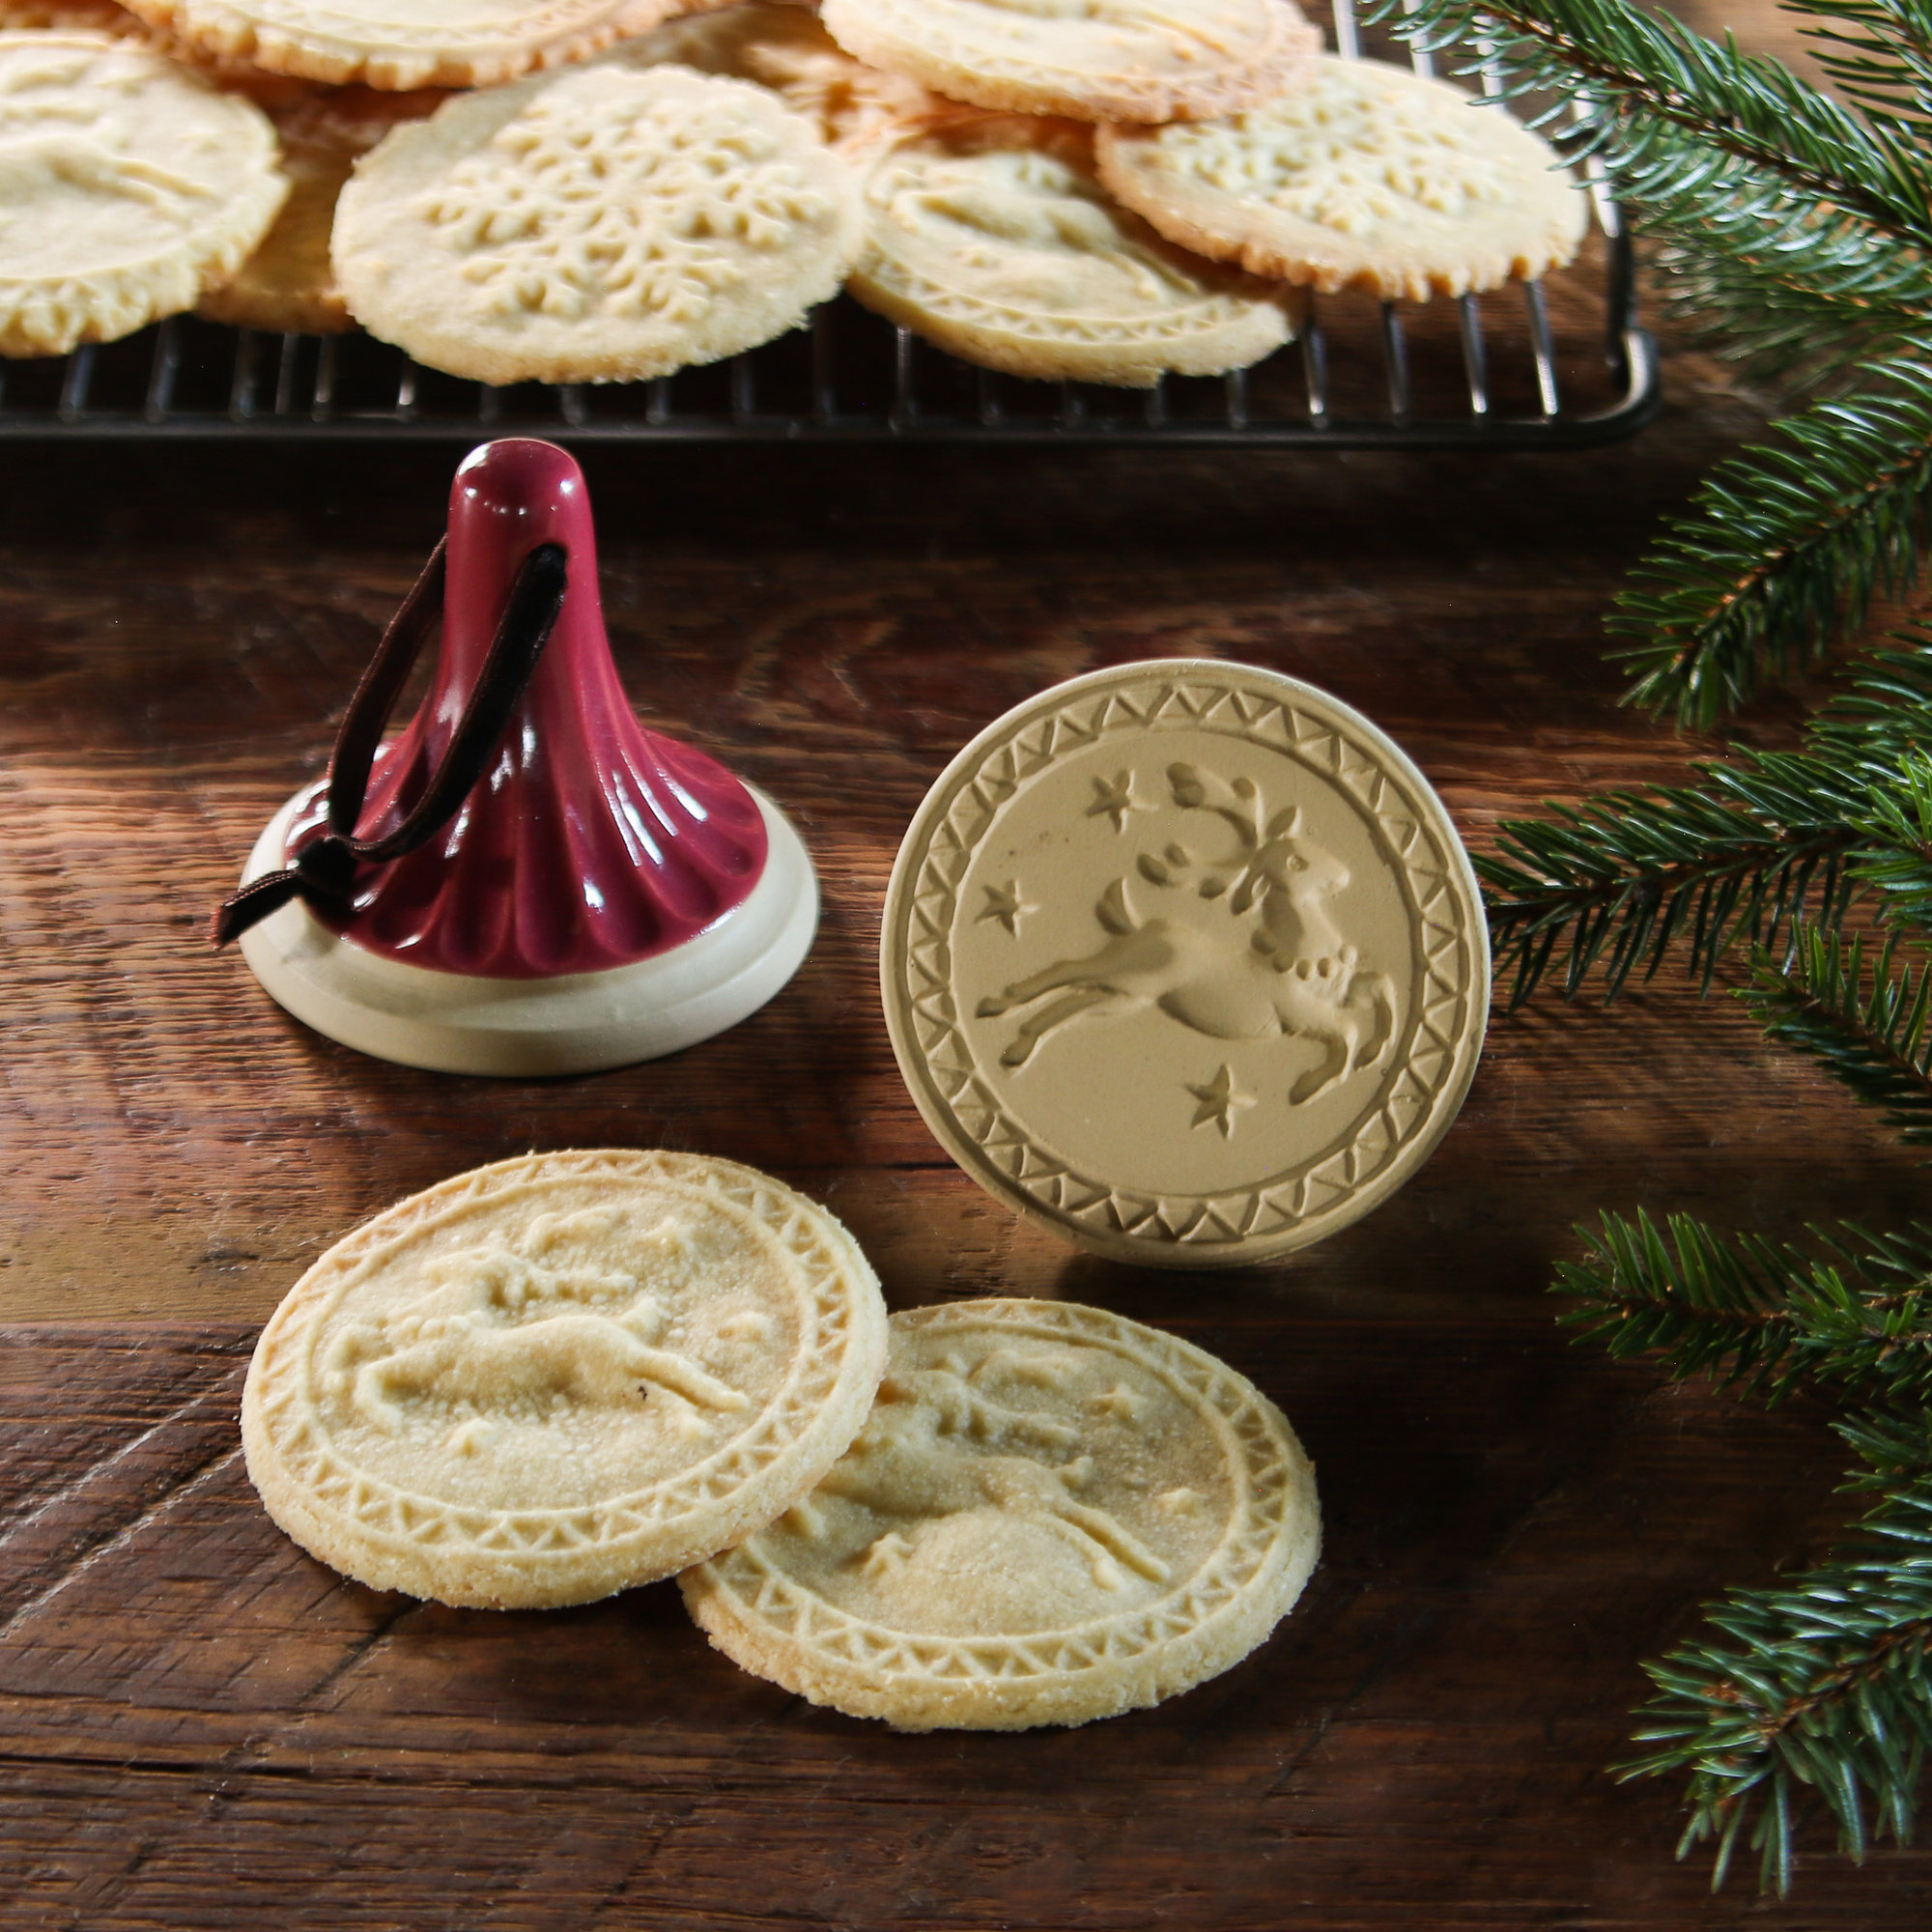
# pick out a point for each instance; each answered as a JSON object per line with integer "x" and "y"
{"x": 126, "y": 184}
{"x": 989, "y": 235}
{"x": 404, "y": 43}
{"x": 561, "y": 1375}
{"x": 288, "y": 285}
{"x": 781, "y": 46}
{"x": 1366, "y": 176}
{"x": 1052, "y": 1515}
{"x": 605, "y": 224}
{"x": 107, "y": 17}
{"x": 1090, "y": 60}
{"x": 1185, "y": 963}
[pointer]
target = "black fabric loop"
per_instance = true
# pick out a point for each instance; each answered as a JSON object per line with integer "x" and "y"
{"x": 323, "y": 872}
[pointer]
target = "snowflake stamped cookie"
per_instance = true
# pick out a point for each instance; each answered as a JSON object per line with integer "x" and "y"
{"x": 1367, "y": 176}
{"x": 561, "y": 1375}
{"x": 608, "y": 223}
{"x": 1053, "y": 1515}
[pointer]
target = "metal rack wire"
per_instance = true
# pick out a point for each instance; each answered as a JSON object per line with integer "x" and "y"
{"x": 1495, "y": 371}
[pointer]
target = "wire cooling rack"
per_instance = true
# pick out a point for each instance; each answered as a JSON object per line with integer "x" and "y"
{"x": 1552, "y": 364}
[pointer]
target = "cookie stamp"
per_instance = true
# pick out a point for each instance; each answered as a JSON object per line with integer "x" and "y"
{"x": 1187, "y": 962}
{"x": 561, "y": 1375}
{"x": 1053, "y": 1515}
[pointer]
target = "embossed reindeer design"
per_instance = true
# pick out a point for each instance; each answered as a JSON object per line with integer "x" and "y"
{"x": 1266, "y": 959}
{"x": 462, "y": 1342}
{"x": 914, "y": 1460}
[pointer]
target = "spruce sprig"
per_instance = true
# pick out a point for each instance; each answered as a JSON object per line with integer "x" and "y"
{"x": 1871, "y": 1031}
{"x": 1765, "y": 839}
{"x": 1825, "y": 1686}
{"x": 1616, "y": 881}
{"x": 1784, "y": 550}
{"x": 1757, "y": 1315}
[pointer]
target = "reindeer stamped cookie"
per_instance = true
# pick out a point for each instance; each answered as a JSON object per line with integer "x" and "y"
{"x": 563, "y": 1375}
{"x": 1052, "y": 1515}
{"x": 1186, "y": 961}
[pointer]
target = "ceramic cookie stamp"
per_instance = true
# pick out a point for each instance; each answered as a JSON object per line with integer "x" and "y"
{"x": 561, "y": 1375}
{"x": 1185, "y": 961}
{"x": 1052, "y": 1515}
{"x": 600, "y": 894}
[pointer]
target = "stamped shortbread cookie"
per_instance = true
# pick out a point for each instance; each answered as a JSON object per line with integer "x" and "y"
{"x": 781, "y": 46}
{"x": 1094, "y": 60}
{"x": 106, "y": 16}
{"x": 127, "y": 183}
{"x": 1367, "y": 177}
{"x": 288, "y": 285}
{"x": 560, "y": 1375}
{"x": 603, "y": 224}
{"x": 405, "y": 43}
{"x": 1052, "y": 1515}
{"x": 989, "y": 235}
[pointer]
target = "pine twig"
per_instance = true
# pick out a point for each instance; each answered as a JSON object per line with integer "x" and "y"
{"x": 1618, "y": 879}
{"x": 1756, "y": 1314}
{"x": 1783, "y": 552}
{"x": 1825, "y": 1683}
{"x": 1877, "y": 1039}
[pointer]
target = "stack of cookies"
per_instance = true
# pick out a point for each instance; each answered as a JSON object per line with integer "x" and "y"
{"x": 1108, "y": 192}
{"x": 568, "y": 1374}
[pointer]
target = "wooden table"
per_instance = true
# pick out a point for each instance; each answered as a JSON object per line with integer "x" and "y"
{"x": 200, "y": 1727}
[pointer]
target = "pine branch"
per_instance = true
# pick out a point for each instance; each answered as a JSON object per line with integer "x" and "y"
{"x": 1823, "y": 1686}
{"x": 1879, "y": 55}
{"x": 1756, "y": 1314}
{"x": 1759, "y": 132}
{"x": 1886, "y": 712}
{"x": 1797, "y": 312}
{"x": 1618, "y": 879}
{"x": 1783, "y": 551}
{"x": 1876, "y": 1039}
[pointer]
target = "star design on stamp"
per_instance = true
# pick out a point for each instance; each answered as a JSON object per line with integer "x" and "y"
{"x": 1004, "y": 904}
{"x": 1115, "y": 797}
{"x": 884, "y": 1555}
{"x": 1119, "y": 1401}
{"x": 1220, "y": 1101}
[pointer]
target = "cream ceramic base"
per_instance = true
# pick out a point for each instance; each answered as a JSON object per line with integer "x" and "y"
{"x": 575, "y": 1023}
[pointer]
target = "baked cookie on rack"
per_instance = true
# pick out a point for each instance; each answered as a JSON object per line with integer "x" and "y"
{"x": 1052, "y": 1515}
{"x": 288, "y": 286}
{"x": 1366, "y": 176}
{"x": 404, "y": 43}
{"x": 127, "y": 184}
{"x": 607, "y": 223}
{"x": 1092, "y": 60}
{"x": 781, "y": 45}
{"x": 106, "y": 16}
{"x": 557, "y": 1377}
{"x": 989, "y": 235}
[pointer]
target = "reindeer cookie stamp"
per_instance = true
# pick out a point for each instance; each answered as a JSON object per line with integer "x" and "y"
{"x": 1186, "y": 961}
{"x": 1052, "y": 1515}
{"x": 560, "y": 1375}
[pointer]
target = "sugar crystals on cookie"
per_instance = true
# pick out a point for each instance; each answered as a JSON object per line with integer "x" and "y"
{"x": 561, "y": 1375}
{"x": 1052, "y": 1515}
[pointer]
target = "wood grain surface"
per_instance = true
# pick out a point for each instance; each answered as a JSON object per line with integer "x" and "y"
{"x": 200, "y": 1727}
